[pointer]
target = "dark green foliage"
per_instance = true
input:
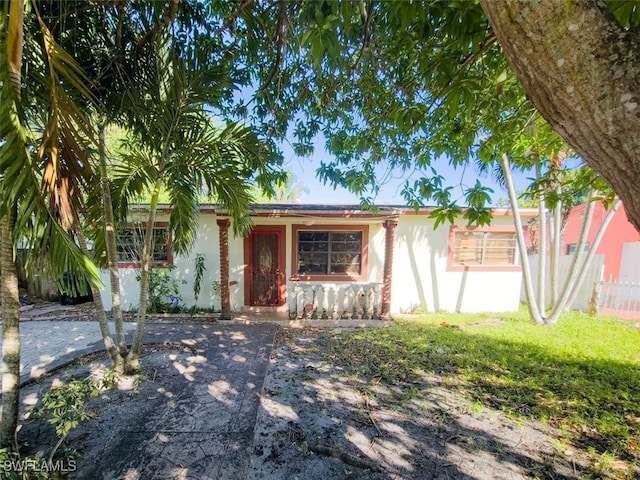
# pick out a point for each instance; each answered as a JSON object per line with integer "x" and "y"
{"x": 199, "y": 269}
{"x": 164, "y": 290}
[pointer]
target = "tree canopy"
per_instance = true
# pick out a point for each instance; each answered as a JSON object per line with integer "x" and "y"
{"x": 402, "y": 83}
{"x": 393, "y": 83}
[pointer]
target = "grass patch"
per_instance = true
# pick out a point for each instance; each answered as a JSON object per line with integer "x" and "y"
{"x": 582, "y": 375}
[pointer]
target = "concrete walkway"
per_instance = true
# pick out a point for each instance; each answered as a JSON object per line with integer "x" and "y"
{"x": 49, "y": 344}
{"x": 200, "y": 423}
{"x": 49, "y": 341}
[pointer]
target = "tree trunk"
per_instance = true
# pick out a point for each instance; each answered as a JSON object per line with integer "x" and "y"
{"x": 542, "y": 249}
{"x": 101, "y": 316}
{"x": 9, "y": 292}
{"x": 554, "y": 269}
{"x": 133, "y": 358}
{"x": 592, "y": 251}
{"x": 110, "y": 237}
{"x": 534, "y": 312}
{"x": 576, "y": 264}
{"x": 581, "y": 70}
{"x": 9, "y": 400}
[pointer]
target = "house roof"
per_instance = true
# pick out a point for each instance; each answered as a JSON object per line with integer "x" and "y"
{"x": 333, "y": 210}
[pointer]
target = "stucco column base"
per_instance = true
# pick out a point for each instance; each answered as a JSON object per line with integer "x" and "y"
{"x": 386, "y": 312}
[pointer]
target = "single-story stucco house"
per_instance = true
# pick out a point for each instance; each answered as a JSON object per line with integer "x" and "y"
{"x": 336, "y": 261}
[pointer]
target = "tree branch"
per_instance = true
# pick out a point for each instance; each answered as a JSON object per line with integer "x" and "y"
{"x": 366, "y": 13}
{"x": 280, "y": 39}
{"x": 232, "y": 18}
{"x": 474, "y": 56}
{"x": 168, "y": 17}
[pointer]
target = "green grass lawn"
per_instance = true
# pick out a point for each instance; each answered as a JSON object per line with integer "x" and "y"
{"x": 582, "y": 375}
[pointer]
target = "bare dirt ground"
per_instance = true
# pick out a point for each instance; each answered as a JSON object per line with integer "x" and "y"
{"x": 316, "y": 421}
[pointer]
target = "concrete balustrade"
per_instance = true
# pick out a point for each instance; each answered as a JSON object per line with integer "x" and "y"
{"x": 333, "y": 301}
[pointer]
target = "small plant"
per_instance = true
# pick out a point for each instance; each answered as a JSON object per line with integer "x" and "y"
{"x": 64, "y": 407}
{"x": 601, "y": 464}
{"x": 199, "y": 273}
{"x": 15, "y": 467}
{"x": 476, "y": 407}
{"x": 164, "y": 295}
{"x": 137, "y": 385}
{"x": 109, "y": 379}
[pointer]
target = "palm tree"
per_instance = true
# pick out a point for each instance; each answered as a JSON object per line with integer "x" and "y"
{"x": 564, "y": 295}
{"x": 176, "y": 146}
{"x": 117, "y": 64}
{"x": 54, "y": 162}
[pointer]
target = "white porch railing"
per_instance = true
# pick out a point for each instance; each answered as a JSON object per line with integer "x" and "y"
{"x": 334, "y": 301}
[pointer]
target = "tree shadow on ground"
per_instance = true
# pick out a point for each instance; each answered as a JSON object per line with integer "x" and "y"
{"x": 316, "y": 408}
{"x": 192, "y": 416}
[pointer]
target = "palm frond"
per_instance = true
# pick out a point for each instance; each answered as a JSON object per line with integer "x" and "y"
{"x": 133, "y": 177}
{"x": 56, "y": 254}
{"x": 35, "y": 226}
{"x": 64, "y": 154}
{"x": 62, "y": 63}
{"x": 183, "y": 195}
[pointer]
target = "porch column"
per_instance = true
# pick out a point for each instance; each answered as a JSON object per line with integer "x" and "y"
{"x": 223, "y": 225}
{"x": 389, "y": 226}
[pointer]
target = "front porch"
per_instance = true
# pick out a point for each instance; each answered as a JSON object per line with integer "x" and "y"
{"x": 314, "y": 264}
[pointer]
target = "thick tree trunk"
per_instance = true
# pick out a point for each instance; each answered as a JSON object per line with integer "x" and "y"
{"x": 10, "y": 367}
{"x": 9, "y": 400}
{"x": 581, "y": 70}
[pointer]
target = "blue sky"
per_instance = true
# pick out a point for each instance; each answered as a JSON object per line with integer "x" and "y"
{"x": 304, "y": 169}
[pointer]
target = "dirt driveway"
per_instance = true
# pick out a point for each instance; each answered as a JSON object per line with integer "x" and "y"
{"x": 218, "y": 402}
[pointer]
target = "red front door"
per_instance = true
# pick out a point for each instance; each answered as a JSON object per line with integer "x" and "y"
{"x": 266, "y": 277}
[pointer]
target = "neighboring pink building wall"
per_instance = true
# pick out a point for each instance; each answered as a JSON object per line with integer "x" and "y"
{"x": 619, "y": 232}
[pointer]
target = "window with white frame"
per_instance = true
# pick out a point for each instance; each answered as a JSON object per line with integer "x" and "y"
{"x": 329, "y": 252}
{"x": 489, "y": 248}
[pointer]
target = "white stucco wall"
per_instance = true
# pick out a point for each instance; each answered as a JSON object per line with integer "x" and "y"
{"x": 421, "y": 281}
{"x": 206, "y": 243}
